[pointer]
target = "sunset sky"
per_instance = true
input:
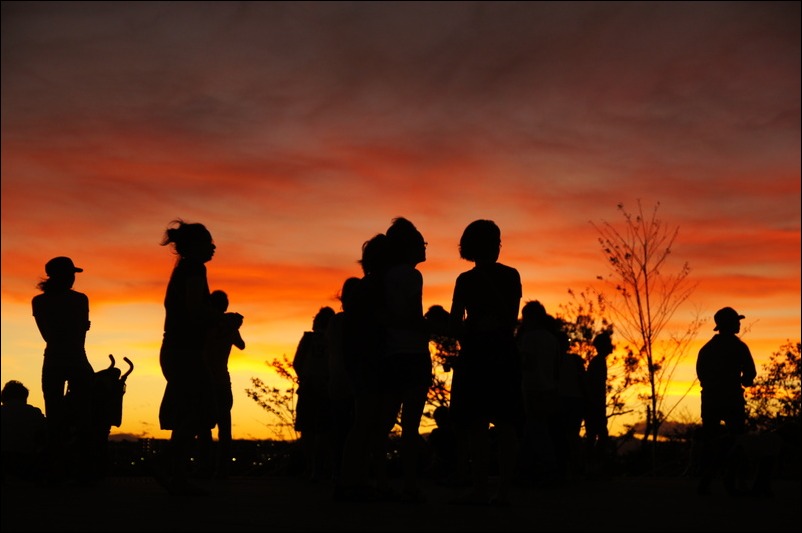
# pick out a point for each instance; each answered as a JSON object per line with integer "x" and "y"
{"x": 296, "y": 131}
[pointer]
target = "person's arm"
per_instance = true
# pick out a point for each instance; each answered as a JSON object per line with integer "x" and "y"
{"x": 748, "y": 370}
{"x": 456, "y": 318}
{"x": 238, "y": 342}
{"x": 301, "y": 355}
{"x": 41, "y": 321}
{"x": 231, "y": 325}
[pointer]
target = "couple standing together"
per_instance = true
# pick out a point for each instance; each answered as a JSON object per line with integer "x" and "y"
{"x": 393, "y": 365}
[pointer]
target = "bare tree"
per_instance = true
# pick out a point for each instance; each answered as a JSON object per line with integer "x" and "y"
{"x": 279, "y": 402}
{"x": 647, "y": 296}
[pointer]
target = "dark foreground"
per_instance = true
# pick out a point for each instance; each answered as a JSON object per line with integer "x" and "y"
{"x": 289, "y": 503}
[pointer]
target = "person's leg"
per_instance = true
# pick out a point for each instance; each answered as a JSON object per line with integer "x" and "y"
{"x": 479, "y": 448}
{"x": 730, "y": 449}
{"x": 711, "y": 433}
{"x": 411, "y": 413}
{"x": 224, "y": 442}
{"x": 507, "y": 460}
{"x": 53, "y": 382}
{"x": 354, "y": 470}
{"x": 88, "y": 439}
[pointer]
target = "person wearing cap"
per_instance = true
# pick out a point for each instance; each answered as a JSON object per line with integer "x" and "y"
{"x": 62, "y": 316}
{"x": 724, "y": 367}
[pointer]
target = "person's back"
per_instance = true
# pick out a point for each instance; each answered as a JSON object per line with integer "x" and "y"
{"x": 724, "y": 367}
{"x": 63, "y": 318}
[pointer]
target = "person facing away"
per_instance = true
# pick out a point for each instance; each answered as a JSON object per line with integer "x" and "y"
{"x": 340, "y": 388}
{"x": 540, "y": 353}
{"x": 572, "y": 386}
{"x": 222, "y": 336}
{"x": 187, "y": 408}
{"x": 24, "y": 434}
{"x": 363, "y": 346}
{"x": 62, "y": 317}
{"x": 406, "y": 361}
{"x": 312, "y": 414}
{"x": 596, "y": 433}
{"x": 724, "y": 367}
{"x": 486, "y": 383}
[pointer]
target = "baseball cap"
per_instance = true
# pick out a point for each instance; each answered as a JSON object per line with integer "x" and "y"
{"x": 726, "y": 315}
{"x": 61, "y": 265}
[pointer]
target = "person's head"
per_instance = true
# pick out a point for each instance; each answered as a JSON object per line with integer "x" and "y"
{"x": 60, "y": 274}
{"x": 533, "y": 310}
{"x": 480, "y": 242}
{"x": 190, "y": 240}
{"x": 321, "y": 320}
{"x": 349, "y": 293}
{"x": 14, "y": 392}
{"x": 405, "y": 243}
{"x": 441, "y": 415}
{"x": 603, "y": 343}
{"x": 219, "y": 300}
{"x": 374, "y": 255}
{"x": 437, "y": 319}
{"x": 727, "y": 320}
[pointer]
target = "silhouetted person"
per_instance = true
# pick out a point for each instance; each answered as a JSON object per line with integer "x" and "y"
{"x": 62, "y": 316}
{"x": 486, "y": 383}
{"x": 341, "y": 389}
{"x": 188, "y": 405}
{"x": 541, "y": 355}
{"x": 313, "y": 413}
{"x": 724, "y": 367}
{"x": 445, "y": 467}
{"x": 596, "y": 434}
{"x": 24, "y": 434}
{"x": 220, "y": 339}
{"x": 406, "y": 361}
{"x": 572, "y": 388}
{"x": 364, "y": 451}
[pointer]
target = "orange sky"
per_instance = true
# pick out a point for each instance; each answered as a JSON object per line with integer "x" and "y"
{"x": 296, "y": 131}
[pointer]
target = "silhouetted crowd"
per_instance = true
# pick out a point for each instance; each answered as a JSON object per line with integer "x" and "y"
{"x": 518, "y": 399}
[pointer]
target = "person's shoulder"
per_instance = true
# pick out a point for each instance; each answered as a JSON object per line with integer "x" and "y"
{"x": 508, "y": 273}
{"x": 507, "y": 269}
{"x": 33, "y": 411}
{"x": 712, "y": 341}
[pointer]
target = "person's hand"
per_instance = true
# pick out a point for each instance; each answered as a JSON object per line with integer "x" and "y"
{"x": 236, "y": 319}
